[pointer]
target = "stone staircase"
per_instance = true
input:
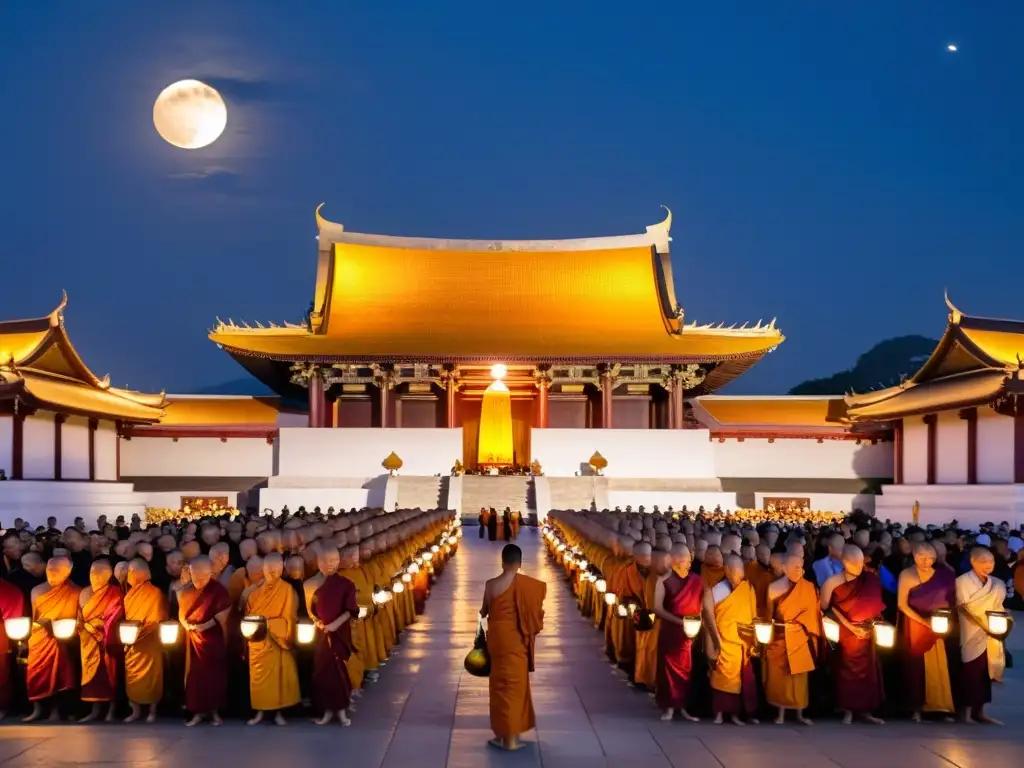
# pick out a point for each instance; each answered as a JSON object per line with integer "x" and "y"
{"x": 498, "y": 492}
{"x": 421, "y": 492}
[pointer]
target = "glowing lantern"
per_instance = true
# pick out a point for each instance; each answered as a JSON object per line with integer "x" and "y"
{"x": 763, "y": 631}
{"x": 691, "y": 626}
{"x": 435, "y": 549}
{"x": 622, "y": 610}
{"x": 364, "y": 611}
{"x": 169, "y": 632}
{"x": 128, "y": 632}
{"x": 583, "y": 564}
{"x": 252, "y": 625}
{"x": 305, "y": 632}
{"x": 407, "y": 577}
{"x": 885, "y": 634}
{"x": 398, "y": 587}
{"x": 602, "y": 586}
{"x": 831, "y": 629}
{"x": 998, "y": 623}
{"x": 428, "y": 556}
{"x": 940, "y": 621}
{"x": 18, "y": 628}
{"x": 413, "y": 568}
{"x": 609, "y": 598}
{"x": 64, "y": 629}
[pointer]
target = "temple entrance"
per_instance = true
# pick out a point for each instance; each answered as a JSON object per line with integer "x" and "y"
{"x": 494, "y": 443}
{"x": 496, "y": 414}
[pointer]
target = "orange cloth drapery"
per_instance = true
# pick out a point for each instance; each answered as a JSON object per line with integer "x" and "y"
{"x": 494, "y": 446}
{"x": 273, "y": 674}
{"x": 144, "y": 661}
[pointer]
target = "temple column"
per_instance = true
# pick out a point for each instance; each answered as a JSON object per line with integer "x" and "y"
{"x": 670, "y": 388}
{"x": 931, "y": 420}
{"x": 678, "y": 407}
{"x": 607, "y": 388}
{"x": 58, "y": 445}
{"x": 1018, "y": 443}
{"x": 385, "y": 383}
{"x": 451, "y": 388}
{"x": 970, "y": 415}
{"x": 93, "y": 426}
{"x": 17, "y": 444}
{"x": 897, "y": 453}
{"x": 542, "y": 380}
{"x": 317, "y": 400}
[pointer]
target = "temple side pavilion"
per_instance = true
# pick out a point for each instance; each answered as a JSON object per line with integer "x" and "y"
{"x": 406, "y": 332}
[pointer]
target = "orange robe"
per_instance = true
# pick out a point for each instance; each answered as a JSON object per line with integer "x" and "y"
{"x": 646, "y": 670}
{"x": 144, "y": 661}
{"x": 50, "y": 666}
{"x": 760, "y": 578}
{"x": 789, "y": 657}
{"x": 363, "y": 649}
{"x": 273, "y": 673}
{"x": 629, "y": 583}
{"x": 711, "y": 575}
{"x": 101, "y": 645}
{"x": 732, "y": 673}
{"x": 515, "y": 618}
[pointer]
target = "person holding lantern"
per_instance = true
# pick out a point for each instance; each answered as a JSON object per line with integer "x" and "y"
{"x": 203, "y": 610}
{"x": 51, "y": 669}
{"x": 102, "y": 610}
{"x": 729, "y": 610}
{"x": 12, "y": 606}
{"x": 146, "y": 605}
{"x": 646, "y": 669}
{"x": 332, "y": 608}
{"x": 677, "y": 598}
{"x": 978, "y": 595}
{"x": 273, "y": 675}
{"x": 630, "y": 585}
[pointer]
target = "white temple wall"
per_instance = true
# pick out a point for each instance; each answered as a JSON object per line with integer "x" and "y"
{"x": 802, "y": 458}
{"x": 38, "y": 447}
{"x": 6, "y": 443}
{"x": 106, "y": 440}
{"x": 197, "y": 457}
{"x": 662, "y": 453}
{"x": 950, "y": 449}
{"x": 353, "y": 452}
{"x": 995, "y": 447}
{"x": 74, "y": 448}
{"x": 915, "y": 451}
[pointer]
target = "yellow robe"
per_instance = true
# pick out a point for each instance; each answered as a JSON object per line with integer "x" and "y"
{"x": 646, "y": 670}
{"x": 628, "y": 583}
{"x": 789, "y": 657}
{"x": 737, "y": 610}
{"x": 273, "y": 674}
{"x": 364, "y": 649}
{"x": 144, "y": 661}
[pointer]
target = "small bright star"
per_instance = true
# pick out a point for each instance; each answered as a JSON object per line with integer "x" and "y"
{"x": 951, "y": 48}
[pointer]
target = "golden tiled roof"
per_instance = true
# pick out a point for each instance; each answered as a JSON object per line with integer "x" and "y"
{"x": 809, "y": 412}
{"x": 389, "y": 303}
{"x": 957, "y": 391}
{"x": 220, "y": 411}
{"x": 40, "y": 367}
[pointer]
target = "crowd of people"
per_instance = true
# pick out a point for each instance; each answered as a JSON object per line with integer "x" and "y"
{"x": 499, "y": 526}
{"x": 244, "y": 616}
{"x": 733, "y": 619}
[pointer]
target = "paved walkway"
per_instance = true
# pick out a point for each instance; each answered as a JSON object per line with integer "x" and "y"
{"x": 426, "y": 712}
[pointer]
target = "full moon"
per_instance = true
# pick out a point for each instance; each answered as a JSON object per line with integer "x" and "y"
{"x": 190, "y": 114}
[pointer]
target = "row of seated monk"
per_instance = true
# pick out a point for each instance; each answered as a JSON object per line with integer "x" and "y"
{"x": 249, "y": 617}
{"x": 719, "y": 620}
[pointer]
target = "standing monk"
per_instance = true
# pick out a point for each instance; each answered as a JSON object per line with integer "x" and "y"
{"x": 333, "y": 607}
{"x": 517, "y": 518}
{"x": 730, "y": 609}
{"x": 144, "y": 660}
{"x": 51, "y": 669}
{"x": 273, "y": 675}
{"x": 760, "y": 574}
{"x": 855, "y": 599}
{"x": 514, "y": 609}
{"x": 364, "y": 658}
{"x": 646, "y": 669}
{"x": 984, "y": 658}
{"x": 12, "y": 606}
{"x": 102, "y": 609}
{"x": 924, "y": 589}
{"x": 676, "y": 596}
{"x": 790, "y": 656}
{"x": 630, "y": 585}
{"x": 202, "y": 610}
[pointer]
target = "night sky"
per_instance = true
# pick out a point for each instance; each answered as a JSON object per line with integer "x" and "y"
{"x": 831, "y": 164}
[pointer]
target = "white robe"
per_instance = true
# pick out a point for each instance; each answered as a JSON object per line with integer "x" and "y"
{"x": 975, "y": 598}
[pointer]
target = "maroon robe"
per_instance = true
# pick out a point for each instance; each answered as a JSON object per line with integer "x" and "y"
{"x": 332, "y": 686}
{"x": 675, "y": 649}
{"x": 206, "y": 675}
{"x": 858, "y": 674}
{"x": 937, "y": 593}
{"x": 12, "y": 606}
{"x": 109, "y": 607}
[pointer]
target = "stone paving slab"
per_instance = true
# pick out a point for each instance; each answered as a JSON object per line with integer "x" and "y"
{"x": 428, "y": 713}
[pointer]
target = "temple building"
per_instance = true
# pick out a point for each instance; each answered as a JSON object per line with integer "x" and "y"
{"x": 407, "y": 332}
{"x": 958, "y": 425}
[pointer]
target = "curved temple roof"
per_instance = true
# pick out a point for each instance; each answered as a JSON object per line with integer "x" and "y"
{"x": 41, "y": 367}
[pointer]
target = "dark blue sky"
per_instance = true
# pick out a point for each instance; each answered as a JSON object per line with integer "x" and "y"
{"x": 827, "y": 163}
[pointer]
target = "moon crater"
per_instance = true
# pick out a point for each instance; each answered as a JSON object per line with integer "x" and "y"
{"x": 190, "y": 114}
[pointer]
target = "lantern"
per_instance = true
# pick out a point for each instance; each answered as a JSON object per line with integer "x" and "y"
{"x": 128, "y": 632}
{"x": 364, "y": 611}
{"x": 940, "y": 621}
{"x": 64, "y": 629}
{"x": 305, "y": 632}
{"x": 398, "y": 587}
{"x": 602, "y": 586}
{"x": 691, "y": 626}
{"x": 407, "y": 577}
{"x": 18, "y": 628}
{"x": 452, "y": 541}
{"x": 622, "y": 611}
{"x": 428, "y": 556}
{"x": 583, "y": 564}
{"x": 998, "y": 623}
{"x": 169, "y": 632}
{"x": 609, "y": 598}
{"x": 763, "y": 631}
{"x": 413, "y": 568}
{"x": 885, "y": 634}
{"x": 252, "y": 627}
{"x": 435, "y": 549}
{"x": 561, "y": 547}
{"x": 831, "y": 629}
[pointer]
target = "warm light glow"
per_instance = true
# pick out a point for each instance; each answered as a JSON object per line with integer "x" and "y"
{"x": 413, "y": 568}
{"x": 831, "y": 629}
{"x": 691, "y": 626}
{"x": 305, "y": 632}
{"x": 452, "y": 541}
{"x": 940, "y": 622}
{"x": 251, "y": 625}
{"x": 499, "y": 371}
{"x": 128, "y": 632}
{"x": 435, "y": 549}
{"x": 998, "y": 623}
{"x": 169, "y": 632}
{"x": 622, "y": 610}
{"x": 407, "y": 578}
{"x": 18, "y": 628}
{"x": 561, "y": 548}
{"x": 363, "y": 611}
{"x": 583, "y": 564}
{"x": 494, "y": 437}
{"x": 428, "y": 556}
{"x": 602, "y": 586}
{"x": 609, "y": 598}
{"x": 398, "y": 587}
{"x": 763, "y": 631}
{"x": 190, "y": 114}
{"x": 64, "y": 629}
{"x": 885, "y": 634}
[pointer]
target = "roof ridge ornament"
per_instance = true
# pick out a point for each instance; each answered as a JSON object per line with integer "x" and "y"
{"x": 321, "y": 222}
{"x": 57, "y": 315}
{"x": 955, "y": 315}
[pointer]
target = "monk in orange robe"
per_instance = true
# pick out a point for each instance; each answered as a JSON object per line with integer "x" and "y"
{"x": 790, "y": 656}
{"x": 712, "y": 570}
{"x": 102, "y": 610}
{"x": 516, "y": 521}
{"x": 646, "y": 669}
{"x": 51, "y": 669}
{"x": 730, "y": 608}
{"x": 760, "y": 575}
{"x": 273, "y": 674}
{"x": 630, "y": 585}
{"x": 514, "y": 608}
{"x": 12, "y": 606}
{"x": 366, "y": 656}
{"x": 144, "y": 659}
{"x": 203, "y": 610}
